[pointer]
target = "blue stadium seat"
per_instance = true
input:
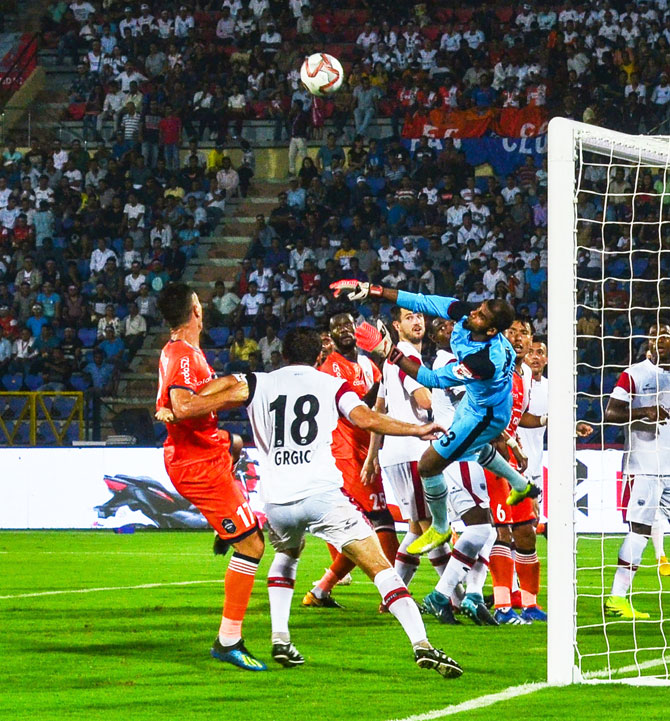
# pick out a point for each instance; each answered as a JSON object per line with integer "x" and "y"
{"x": 224, "y": 356}
{"x": 22, "y": 436}
{"x": 12, "y": 381}
{"x": 640, "y": 265}
{"x": 87, "y": 336}
{"x": 33, "y": 382}
{"x": 72, "y": 433}
{"x": 62, "y": 406}
{"x": 583, "y": 407}
{"x": 613, "y": 434}
{"x": 219, "y": 336}
{"x": 609, "y": 381}
{"x": 45, "y": 435}
{"x": 584, "y": 383}
{"x": 211, "y": 356}
{"x": 79, "y": 382}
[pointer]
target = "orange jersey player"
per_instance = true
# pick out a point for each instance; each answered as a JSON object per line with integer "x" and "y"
{"x": 516, "y": 523}
{"x": 350, "y": 449}
{"x": 350, "y": 443}
{"x": 199, "y": 463}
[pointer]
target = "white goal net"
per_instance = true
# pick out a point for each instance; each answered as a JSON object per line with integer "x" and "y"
{"x": 609, "y": 284}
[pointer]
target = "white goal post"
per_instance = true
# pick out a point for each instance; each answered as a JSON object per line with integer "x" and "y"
{"x": 567, "y": 142}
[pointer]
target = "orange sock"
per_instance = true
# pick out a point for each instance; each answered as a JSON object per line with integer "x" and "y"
{"x": 501, "y": 566}
{"x": 337, "y": 571}
{"x": 389, "y": 544}
{"x": 238, "y": 584}
{"x": 528, "y": 571}
{"x": 334, "y": 553}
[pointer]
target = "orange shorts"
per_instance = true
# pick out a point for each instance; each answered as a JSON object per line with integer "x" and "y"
{"x": 504, "y": 515}
{"x": 213, "y": 489}
{"x": 370, "y": 498}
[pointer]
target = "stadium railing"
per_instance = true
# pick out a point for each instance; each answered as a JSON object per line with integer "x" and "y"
{"x": 45, "y": 418}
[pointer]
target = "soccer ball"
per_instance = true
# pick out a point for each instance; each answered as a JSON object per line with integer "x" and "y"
{"x": 322, "y": 74}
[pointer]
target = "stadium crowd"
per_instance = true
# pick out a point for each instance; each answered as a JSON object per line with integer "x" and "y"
{"x": 92, "y": 237}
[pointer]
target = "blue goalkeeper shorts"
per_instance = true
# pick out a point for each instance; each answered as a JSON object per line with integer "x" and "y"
{"x": 470, "y": 431}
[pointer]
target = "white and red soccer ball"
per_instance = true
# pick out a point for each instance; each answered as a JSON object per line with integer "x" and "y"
{"x": 322, "y": 74}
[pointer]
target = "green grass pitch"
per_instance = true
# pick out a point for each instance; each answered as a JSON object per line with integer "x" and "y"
{"x": 143, "y": 653}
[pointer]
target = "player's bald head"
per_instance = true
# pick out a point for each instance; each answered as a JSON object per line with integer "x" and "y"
{"x": 341, "y": 318}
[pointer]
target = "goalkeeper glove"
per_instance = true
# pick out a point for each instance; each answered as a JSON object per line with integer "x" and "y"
{"x": 377, "y": 341}
{"x": 356, "y": 290}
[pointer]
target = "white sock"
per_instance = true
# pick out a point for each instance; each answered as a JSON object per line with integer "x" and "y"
{"x": 405, "y": 564}
{"x": 476, "y": 578}
{"x": 463, "y": 557}
{"x": 439, "y": 558}
{"x": 630, "y": 555}
{"x": 515, "y": 580}
{"x": 657, "y": 533}
{"x": 396, "y": 597}
{"x": 281, "y": 580}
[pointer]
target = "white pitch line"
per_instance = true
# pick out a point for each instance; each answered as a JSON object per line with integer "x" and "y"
{"x": 604, "y": 673}
{"x": 523, "y": 690}
{"x": 108, "y": 588}
{"x": 481, "y": 702}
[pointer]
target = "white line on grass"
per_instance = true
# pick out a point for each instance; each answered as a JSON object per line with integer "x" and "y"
{"x": 481, "y": 702}
{"x": 605, "y": 673}
{"x": 108, "y": 588}
{"x": 523, "y": 690}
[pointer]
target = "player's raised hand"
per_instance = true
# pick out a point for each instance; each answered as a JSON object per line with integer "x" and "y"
{"x": 165, "y": 415}
{"x": 355, "y": 289}
{"x": 374, "y": 340}
{"x": 430, "y": 431}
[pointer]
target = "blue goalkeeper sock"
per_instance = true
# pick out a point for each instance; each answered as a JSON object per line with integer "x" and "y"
{"x": 435, "y": 493}
{"x": 492, "y": 460}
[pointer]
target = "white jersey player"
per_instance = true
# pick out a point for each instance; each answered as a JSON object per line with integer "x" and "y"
{"x": 293, "y": 413}
{"x": 404, "y": 398}
{"x": 640, "y": 400}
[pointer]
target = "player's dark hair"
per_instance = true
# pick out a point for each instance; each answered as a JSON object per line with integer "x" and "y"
{"x": 502, "y": 312}
{"x": 302, "y": 345}
{"x": 175, "y": 303}
{"x": 395, "y": 314}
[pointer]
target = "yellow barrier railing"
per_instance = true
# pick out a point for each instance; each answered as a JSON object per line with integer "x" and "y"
{"x": 22, "y": 423}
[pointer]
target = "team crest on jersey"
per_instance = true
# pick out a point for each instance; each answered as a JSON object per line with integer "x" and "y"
{"x": 228, "y": 525}
{"x": 462, "y": 372}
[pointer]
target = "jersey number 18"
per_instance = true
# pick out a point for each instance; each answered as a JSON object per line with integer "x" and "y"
{"x": 305, "y": 410}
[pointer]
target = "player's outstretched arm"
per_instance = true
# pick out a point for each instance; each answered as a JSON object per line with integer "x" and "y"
{"x": 369, "y": 420}
{"x": 218, "y": 395}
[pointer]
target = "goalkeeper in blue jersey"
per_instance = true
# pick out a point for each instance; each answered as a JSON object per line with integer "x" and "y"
{"x": 485, "y": 367}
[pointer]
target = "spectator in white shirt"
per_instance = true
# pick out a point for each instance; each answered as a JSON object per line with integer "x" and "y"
{"x": 100, "y": 256}
{"x": 135, "y": 278}
{"x": 368, "y": 38}
{"x": 225, "y": 28}
{"x": 59, "y": 155}
{"x": 299, "y": 255}
{"x": 493, "y": 275}
{"x": 262, "y": 276}
{"x": 183, "y": 23}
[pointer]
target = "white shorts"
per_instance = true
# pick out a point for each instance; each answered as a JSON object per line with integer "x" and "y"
{"x": 329, "y": 515}
{"x": 466, "y": 483}
{"x": 643, "y": 496}
{"x": 407, "y": 490}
